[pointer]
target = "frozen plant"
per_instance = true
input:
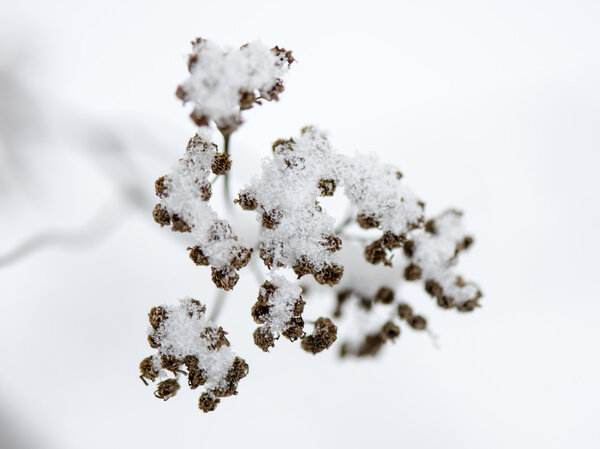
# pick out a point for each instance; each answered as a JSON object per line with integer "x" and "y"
{"x": 386, "y": 238}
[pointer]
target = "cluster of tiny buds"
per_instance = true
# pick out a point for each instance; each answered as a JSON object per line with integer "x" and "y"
{"x": 224, "y": 276}
{"x": 372, "y": 343}
{"x": 260, "y": 79}
{"x": 210, "y": 340}
{"x": 288, "y": 321}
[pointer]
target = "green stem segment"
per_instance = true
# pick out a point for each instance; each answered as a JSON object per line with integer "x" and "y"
{"x": 226, "y": 138}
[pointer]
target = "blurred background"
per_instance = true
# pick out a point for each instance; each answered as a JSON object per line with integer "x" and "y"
{"x": 492, "y": 107}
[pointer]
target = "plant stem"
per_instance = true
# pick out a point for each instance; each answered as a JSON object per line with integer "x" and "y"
{"x": 226, "y": 180}
{"x": 217, "y": 305}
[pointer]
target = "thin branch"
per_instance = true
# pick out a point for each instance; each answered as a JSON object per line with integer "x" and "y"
{"x": 345, "y": 223}
{"x": 105, "y": 221}
{"x": 228, "y": 204}
{"x": 217, "y": 306}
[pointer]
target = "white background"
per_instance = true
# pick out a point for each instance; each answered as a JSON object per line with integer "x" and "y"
{"x": 489, "y": 106}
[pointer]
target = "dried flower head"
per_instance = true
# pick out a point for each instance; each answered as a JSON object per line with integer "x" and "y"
{"x": 223, "y": 82}
{"x": 385, "y": 239}
{"x": 183, "y": 336}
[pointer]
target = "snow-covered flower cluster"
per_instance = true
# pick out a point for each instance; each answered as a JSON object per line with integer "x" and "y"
{"x": 363, "y": 259}
{"x": 223, "y": 82}
{"x": 182, "y": 336}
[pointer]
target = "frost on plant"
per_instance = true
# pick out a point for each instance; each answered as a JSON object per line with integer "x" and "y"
{"x": 182, "y": 336}
{"x": 224, "y": 82}
{"x": 385, "y": 240}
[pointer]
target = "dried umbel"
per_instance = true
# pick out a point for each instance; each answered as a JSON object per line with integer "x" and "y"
{"x": 223, "y": 82}
{"x": 385, "y": 240}
{"x": 184, "y": 338}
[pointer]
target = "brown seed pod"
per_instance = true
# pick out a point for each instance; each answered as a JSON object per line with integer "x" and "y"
{"x": 179, "y": 225}
{"x": 283, "y": 54}
{"x": 299, "y": 307}
{"x": 247, "y": 100}
{"x": 167, "y": 389}
{"x": 370, "y": 346}
{"x": 327, "y": 187}
{"x": 152, "y": 342}
{"x": 197, "y": 378}
{"x": 270, "y": 219}
{"x": 160, "y": 187}
{"x": 224, "y": 278}
{"x": 206, "y": 191}
{"x": 157, "y": 316}
{"x": 198, "y": 118}
{"x": 384, "y": 295}
{"x": 366, "y": 221}
{"x": 295, "y": 328}
{"x": 221, "y": 164}
{"x": 303, "y": 266}
{"x": 391, "y": 241}
{"x": 170, "y": 363}
{"x": 417, "y": 322}
{"x": 246, "y": 201}
{"x": 147, "y": 369}
{"x": 198, "y": 257}
{"x": 389, "y": 331}
{"x": 375, "y": 253}
{"x": 329, "y": 275}
{"x": 263, "y": 338}
{"x": 323, "y": 336}
{"x": 239, "y": 369}
{"x": 161, "y": 215}
{"x": 333, "y": 243}
{"x": 404, "y": 311}
{"x": 341, "y": 299}
{"x": 409, "y": 248}
{"x": 208, "y": 402}
{"x": 242, "y": 257}
{"x": 412, "y": 272}
{"x": 281, "y": 145}
{"x": 215, "y": 337}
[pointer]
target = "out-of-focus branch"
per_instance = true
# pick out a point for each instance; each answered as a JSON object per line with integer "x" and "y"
{"x": 105, "y": 221}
